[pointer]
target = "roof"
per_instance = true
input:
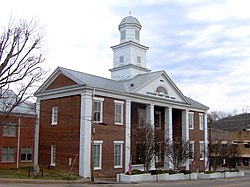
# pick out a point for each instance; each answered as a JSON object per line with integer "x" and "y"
{"x": 124, "y": 86}
{"x": 234, "y": 123}
{"x": 129, "y": 20}
{"x": 9, "y": 98}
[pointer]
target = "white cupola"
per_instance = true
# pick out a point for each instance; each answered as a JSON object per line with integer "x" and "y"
{"x": 129, "y": 57}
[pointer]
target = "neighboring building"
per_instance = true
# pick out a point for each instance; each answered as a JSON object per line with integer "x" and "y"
{"x": 16, "y": 133}
{"x": 70, "y": 102}
{"x": 236, "y": 130}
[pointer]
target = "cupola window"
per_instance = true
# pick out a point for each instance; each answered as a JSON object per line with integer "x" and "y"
{"x": 123, "y": 35}
{"x": 138, "y": 60}
{"x": 121, "y": 60}
{"x": 161, "y": 91}
{"x": 137, "y": 35}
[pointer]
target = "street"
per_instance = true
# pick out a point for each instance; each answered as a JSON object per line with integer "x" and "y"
{"x": 233, "y": 182}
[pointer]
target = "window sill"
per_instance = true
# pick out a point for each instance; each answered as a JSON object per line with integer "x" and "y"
{"x": 118, "y": 167}
{"x": 9, "y": 136}
{"x": 8, "y": 162}
{"x": 53, "y": 124}
{"x": 97, "y": 168}
{"x": 118, "y": 123}
{"x": 28, "y": 161}
{"x": 53, "y": 165}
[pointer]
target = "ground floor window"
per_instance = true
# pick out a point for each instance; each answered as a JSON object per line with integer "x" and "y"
{"x": 8, "y": 154}
{"x": 118, "y": 154}
{"x": 98, "y": 155}
{"x": 202, "y": 150}
{"x": 53, "y": 155}
{"x": 26, "y": 154}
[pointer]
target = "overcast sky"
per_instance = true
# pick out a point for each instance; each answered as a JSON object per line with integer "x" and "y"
{"x": 203, "y": 45}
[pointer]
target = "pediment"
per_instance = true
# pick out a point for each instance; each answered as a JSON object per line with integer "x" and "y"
{"x": 161, "y": 87}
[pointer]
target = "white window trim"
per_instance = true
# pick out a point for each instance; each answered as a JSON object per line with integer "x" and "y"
{"x": 201, "y": 123}
{"x": 99, "y": 142}
{"x": 8, "y": 154}
{"x": 202, "y": 142}
{"x": 122, "y": 105}
{"x": 121, "y": 161}
{"x": 52, "y": 162}
{"x": 192, "y": 114}
{"x": 192, "y": 143}
{"x": 53, "y": 122}
{"x": 98, "y": 99}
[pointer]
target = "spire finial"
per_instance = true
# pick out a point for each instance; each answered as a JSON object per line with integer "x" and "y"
{"x": 129, "y": 12}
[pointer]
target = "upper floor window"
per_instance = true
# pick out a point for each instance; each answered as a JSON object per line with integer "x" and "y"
{"x": 118, "y": 154}
{"x": 98, "y": 154}
{"x": 123, "y": 35}
{"x": 191, "y": 120}
{"x": 141, "y": 121}
{"x": 201, "y": 121}
{"x": 137, "y": 35}
{"x": 157, "y": 119}
{"x": 9, "y": 129}
{"x": 54, "y": 116}
{"x": 98, "y": 110}
{"x": 119, "y": 112}
{"x": 8, "y": 154}
{"x": 26, "y": 154}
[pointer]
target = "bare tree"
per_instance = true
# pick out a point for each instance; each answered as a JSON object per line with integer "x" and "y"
{"x": 20, "y": 62}
{"x": 177, "y": 152}
{"x": 149, "y": 143}
{"x": 230, "y": 153}
{"x": 215, "y": 150}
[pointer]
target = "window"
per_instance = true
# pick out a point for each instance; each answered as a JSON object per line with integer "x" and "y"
{"x": 141, "y": 121}
{"x": 138, "y": 60}
{"x": 202, "y": 150}
{"x": 9, "y": 129}
{"x": 26, "y": 154}
{"x": 98, "y": 155}
{"x": 123, "y": 35}
{"x": 191, "y": 150}
{"x": 247, "y": 145}
{"x": 118, "y": 154}
{"x": 53, "y": 155}
{"x": 161, "y": 91}
{"x": 191, "y": 120}
{"x": 54, "y": 115}
{"x": 8, "y": 154}
{"x": 121, "y": 59}
{"x": 119, "y": 112}
{"x": 201, "y": 121}
{"x": 97, "y": 111}
{"x": 157, "y": 119}
{"x": 158, "y": 152}
{"x": 137, "y": 35}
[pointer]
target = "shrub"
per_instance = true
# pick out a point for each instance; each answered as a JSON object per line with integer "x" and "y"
{"x": 185, "y": 172}
{"x": 135, "y": 172}
{"x": 209, "y": 172}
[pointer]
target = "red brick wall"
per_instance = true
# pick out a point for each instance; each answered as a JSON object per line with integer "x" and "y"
{"x": 60, "y": 81}
{"x": 197, "y": 135}
{"x": 109, "y": 134}
{"x": 27, "y": 129}
{"x": 65, "y": 135}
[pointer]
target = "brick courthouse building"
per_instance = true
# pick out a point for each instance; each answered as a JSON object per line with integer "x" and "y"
{"x": 70, "y": 102}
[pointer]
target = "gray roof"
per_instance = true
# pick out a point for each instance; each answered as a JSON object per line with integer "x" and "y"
{"x": 130, "y": 20}
{"x": 120, "y": 86}
{"x": 9, "y": 98}
{"x": 233, "y": 123}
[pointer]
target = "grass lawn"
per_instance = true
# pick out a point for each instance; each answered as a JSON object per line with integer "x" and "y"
{"x": 22, "y": 173}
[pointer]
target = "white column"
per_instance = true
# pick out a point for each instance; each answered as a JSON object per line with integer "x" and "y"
{"x": 168, "y": 132}
{"x": 37, "y": 127}
{"x": 185, "y": 130}
{"x": 150, "y": 120}
{"x": 128, "y": 135}
{"x": 205, "y": 137}
{"x": 85, "y": 135}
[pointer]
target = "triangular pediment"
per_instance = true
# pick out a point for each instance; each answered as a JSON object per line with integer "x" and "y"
{"x": 158, "y": 85}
